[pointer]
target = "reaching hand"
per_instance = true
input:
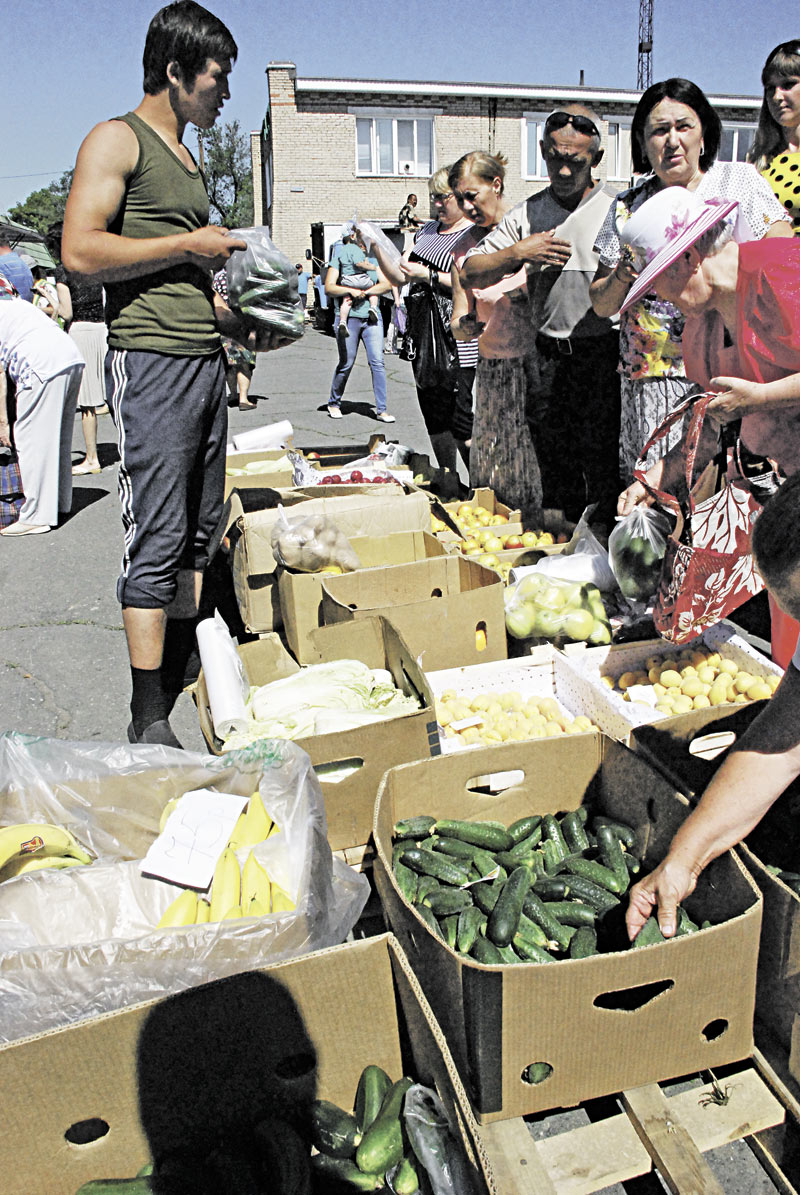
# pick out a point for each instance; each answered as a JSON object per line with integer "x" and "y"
{"x": 665, "y": 888}
{"x": 211, "y": 246}
{"x": 544, "y": 249}
{"x": 736, "y": 397}
{"x": 635, "y": 495}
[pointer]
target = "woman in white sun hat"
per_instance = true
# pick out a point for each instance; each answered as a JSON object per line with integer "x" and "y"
{"x": 741, "y": 337}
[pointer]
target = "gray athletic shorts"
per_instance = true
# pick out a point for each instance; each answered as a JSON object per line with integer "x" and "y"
{"x": 171, "y": 416}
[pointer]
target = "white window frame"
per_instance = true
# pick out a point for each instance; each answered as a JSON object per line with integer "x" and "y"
{"x": 395, "y": 114}
{"x": 735, "y": 126}
{"x": 617, "y": 175}
{"x": 539, "y": 171}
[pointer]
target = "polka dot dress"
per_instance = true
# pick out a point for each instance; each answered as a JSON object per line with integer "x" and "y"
{"x": 783, "y": 175}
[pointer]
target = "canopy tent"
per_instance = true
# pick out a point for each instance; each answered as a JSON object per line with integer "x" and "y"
{"x": 25, "y": 240}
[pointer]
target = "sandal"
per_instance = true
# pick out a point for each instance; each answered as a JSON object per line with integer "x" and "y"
{"x": 85, "y": 467}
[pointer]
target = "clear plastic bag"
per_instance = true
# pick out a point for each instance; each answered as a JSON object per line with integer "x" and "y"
{"x": 310, "y": 543}
{"x": 80, "y": 942}
{"x": 262, "y": 285}
{"x": 434, "y": 1145}
{"x": 556, "y": 609}
{"x": 636, "y": 550}
{"x": 378, "y": 244}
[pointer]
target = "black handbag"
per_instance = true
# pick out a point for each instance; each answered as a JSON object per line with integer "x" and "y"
{"x": 429, "y": 344}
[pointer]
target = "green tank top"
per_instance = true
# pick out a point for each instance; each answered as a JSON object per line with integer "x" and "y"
{"x": 170, "y": 311}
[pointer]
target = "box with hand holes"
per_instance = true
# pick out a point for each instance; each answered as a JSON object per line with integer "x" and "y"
{"x": 603, "y": 1023}
{"x": 449, "y": 610}
{"x": 201, "y": 1069}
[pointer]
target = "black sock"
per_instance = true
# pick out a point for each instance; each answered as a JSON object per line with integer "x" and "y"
{"x": 147, "y": 698}
{"x": 180, "y": 663}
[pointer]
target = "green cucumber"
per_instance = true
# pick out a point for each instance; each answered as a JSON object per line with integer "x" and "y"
{"x": 491, "y": 837}
{"x": 649, "y": 935}
{"x": 139, "y": 1185}
{"x": 632, "y": 863}
{"x": 504, "y": 917}
{"x": 406, "y": 879}
{"x": 626, "y": 834}
{"x": 456, "y": 847}
{"x": 527, "y": 844}
{"x": 574, "y": 833}
{"x": 523, "y": 827}
{"x": 599, "y": 899}
{"x": 485, "y": 896}
{"x": 611, "y": 855}
{"x": 551, "y": 887}
{"x": 428, "y": 844}
{"x": 470, "y": 922}
{"x": 484, "y": 951}
{"x": 446, "y": 901}
{"x": 449, "y": 926}
{"x": 588, "y": 869}
{"x": 382, "y": 1144}
{"x": 532, "y": 932}
{"x": 571, "y": 912}
{"x": 534, "y": 908}
{"x": 537, "y": 1072}
{"x": 551, "y": 831}
{"x": 508, "y": 954}
{"x": 345, "y": 1172}
{"x": 583, "y": 943}
{"x": 533, "y": 860}
{"x": 405, "y": 1180}
{"x": 431, "y": 863}
{"x": 430, "y": 920}
{"x": 333, "y": 1131}
{"x": 553, "y": 858}
{"x": 530, "y": 952}
{"x": 485, "y": 862}
{"x": 372, "y": 1087}
{"x": 425, "y": 884}
{"x": 685, "y": 924}
{"x": 413, "y": 827}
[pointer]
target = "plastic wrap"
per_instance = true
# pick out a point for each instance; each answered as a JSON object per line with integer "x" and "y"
{"x": 434, "y": 1145}
{"x": 309, "y": 543}
{"x": 80, "y": 942}
{"x": 378, "y": 244}
{"x": 262, "y": 285}
{"x": 556, "y": 609}
{"x": 636, "y": 550}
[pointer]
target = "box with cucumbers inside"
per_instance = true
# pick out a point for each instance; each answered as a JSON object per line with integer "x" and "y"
{"x": 504, "y": 873}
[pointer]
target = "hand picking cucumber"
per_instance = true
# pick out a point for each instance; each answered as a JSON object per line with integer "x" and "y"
{"x": 649, "y": 935}
{"x": 504, "y": 917}
{"x": 372, "y": 1087}
{"x": 491, "y": 837}
{"x": 382, "y": 1144}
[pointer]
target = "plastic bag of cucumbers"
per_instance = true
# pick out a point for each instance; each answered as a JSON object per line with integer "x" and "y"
{"x": 548, "y": 608}
{"x": 262, "y": 285}
{"x": 636, "y": 550}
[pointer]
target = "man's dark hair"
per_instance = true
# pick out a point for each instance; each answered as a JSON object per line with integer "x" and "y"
{"x": 5, "y": 243}
{"x": 775, "y": 540}
{"x": 186, "y": 33}
{"x": 683, "y": 91}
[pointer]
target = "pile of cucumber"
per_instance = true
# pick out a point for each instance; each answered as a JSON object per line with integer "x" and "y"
{"x": 542, "y": 889}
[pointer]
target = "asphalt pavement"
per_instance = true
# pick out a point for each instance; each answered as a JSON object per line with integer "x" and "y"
{"x": 63, "y": 662}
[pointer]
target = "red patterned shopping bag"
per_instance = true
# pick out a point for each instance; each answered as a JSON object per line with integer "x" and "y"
{"x": 708, "y": 569}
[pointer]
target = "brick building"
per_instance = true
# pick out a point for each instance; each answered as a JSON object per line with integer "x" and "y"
{"x": 334, "y": 146}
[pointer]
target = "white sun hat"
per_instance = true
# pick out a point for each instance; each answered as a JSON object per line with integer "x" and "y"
{"x": 665, "y": 227}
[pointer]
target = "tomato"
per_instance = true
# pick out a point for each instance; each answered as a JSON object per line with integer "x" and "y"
{"x": 357, "y": 475}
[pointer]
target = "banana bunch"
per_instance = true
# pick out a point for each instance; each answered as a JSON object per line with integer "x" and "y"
{"x": 235, "y": 892}
{"x": 32, "y": 846}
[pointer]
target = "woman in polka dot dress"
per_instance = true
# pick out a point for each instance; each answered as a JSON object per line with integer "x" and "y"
{"x": 776, "y": 148}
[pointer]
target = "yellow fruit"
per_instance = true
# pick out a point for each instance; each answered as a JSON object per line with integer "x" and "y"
{"x": 728, "y": 666}
{"x": 480, "y": 702}
{"x": 255, "y": 882}
{"x": 233, "y": 912}
{"x": 692, "y": 686}
{"x": 226, "y": 887}
{"x": 701, "y": 702}
{"x": 281, "y": 900}
{"x": 654, "y": 676}
{"x": 743, "y": 681}
{"x": 480, "y": 639}
{"x": 683, "y": 704}
{"x": 584, "y": 722}
{"x": 608, "y": 681}
{"x": 740, "y": 699}
{"x": 714, "y": 659}
{"x": 688, "y": 670}
{"x": 773, "y": 681}
{"x": 671, "y": 679}
{"x": 653, "y": 662}
{"x": 659, "y": 689}
{"x": 167, "y": 810}
{"x": 552, "y": 729}
{"x": 255, "y": 827}
{"x": 664, "y": 707}
{"x": 255, "y": 909}
{"x": 471, "y": 735}
{"x": 444, "y": 715}
{"x": 333, "y": 570}
{"x": 707, "y": 673}
{"x": 549, "y": 707}
{"x": 203, "y": 912}
{"x": 510, "y": 701}
{"x": 181, "y": 911}
{"x": 759, "y": 691}
{"x": 626, "y": 680}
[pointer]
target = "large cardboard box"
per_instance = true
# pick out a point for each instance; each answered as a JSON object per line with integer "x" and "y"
{"x": 300, "y": 594}
{"x": 174, "y": 1074}
{"x": 276, "y": 472}
{"x": 369, "y": 750}
{"x": 603, "y": 1023}
{"x": 439, "y": 606}
{"x": 544, "y": 673}
{"x": 626, "y": 716}
{"x": 374, "y": 510}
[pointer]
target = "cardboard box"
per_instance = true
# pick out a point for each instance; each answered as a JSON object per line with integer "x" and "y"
{"x": 544, "y": 673}
{"x": 437, "y": 605}
{"x": 625, "y": 716}
{"x": 300, "y": 594}
{"x": 270, "y": 479}
{"x": 216, "y": 1055}
{"x": 355, "y": 514}
{"x": 604, "y": 1023}
{"x": 349, "y": 803}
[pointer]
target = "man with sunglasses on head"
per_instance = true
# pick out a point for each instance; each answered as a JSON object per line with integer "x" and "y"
{"x": 573, "y": 389}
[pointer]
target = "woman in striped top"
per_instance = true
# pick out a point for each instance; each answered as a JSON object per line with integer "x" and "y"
{"x": 447, "y": 411}
{"x": 502, "y": 454}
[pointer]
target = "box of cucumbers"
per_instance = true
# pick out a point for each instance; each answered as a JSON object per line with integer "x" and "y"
{"x": 504, "y": 873}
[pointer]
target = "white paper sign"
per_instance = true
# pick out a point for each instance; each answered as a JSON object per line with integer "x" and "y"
{"x": 195, "y": 835}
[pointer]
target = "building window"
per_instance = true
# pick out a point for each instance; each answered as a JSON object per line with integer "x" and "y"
{"x": 533, "y": 164}
{"x": 735, "y": 142}
{"x": 394, "y": 145}
{"x": 618, "y": 151}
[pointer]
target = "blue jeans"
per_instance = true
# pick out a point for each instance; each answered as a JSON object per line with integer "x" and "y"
{"x": 372, "y": 335}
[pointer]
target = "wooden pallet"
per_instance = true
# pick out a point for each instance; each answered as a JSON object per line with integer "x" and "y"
{"x": 652, "y": 1129}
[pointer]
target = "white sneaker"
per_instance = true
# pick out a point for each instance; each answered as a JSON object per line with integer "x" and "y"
{"x": 334, "y": 411}
{"x": 385, "y": 417}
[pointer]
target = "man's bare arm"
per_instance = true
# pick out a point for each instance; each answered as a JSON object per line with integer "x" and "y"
{"x": 106, "y": 160}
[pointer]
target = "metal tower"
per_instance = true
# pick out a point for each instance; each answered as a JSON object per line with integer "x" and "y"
{"x": 644, "y": 66}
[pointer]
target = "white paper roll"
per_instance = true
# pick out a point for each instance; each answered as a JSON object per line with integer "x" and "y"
{"x": 224, "y": 676}
{"x": 272, "y": 435}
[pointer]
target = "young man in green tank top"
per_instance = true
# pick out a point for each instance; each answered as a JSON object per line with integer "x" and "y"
{"x": 137, "y": 220}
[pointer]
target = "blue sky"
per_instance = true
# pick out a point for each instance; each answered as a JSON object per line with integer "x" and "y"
{"x": 75, "y": 64}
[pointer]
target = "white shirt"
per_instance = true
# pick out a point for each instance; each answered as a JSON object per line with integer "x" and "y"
{"x": 31, "y": 344}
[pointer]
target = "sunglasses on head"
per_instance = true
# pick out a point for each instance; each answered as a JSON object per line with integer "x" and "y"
{"x": 581, "y": 124}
